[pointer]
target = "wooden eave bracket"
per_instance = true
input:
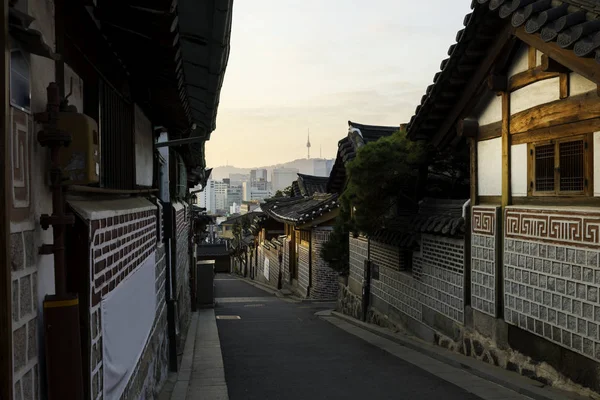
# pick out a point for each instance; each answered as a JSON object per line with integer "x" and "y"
{"x": 467, "y": 128}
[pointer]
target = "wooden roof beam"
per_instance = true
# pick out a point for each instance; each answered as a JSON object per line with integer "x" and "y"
{"x": 477, "y": 78}
{"x": 586, "y": 67}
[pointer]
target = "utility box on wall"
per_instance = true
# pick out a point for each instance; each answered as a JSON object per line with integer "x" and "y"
{"x": 80, "y": 162}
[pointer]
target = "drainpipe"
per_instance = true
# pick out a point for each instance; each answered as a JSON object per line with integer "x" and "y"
{"x": 64, "y": 366}
{"x": 171, "y": 319}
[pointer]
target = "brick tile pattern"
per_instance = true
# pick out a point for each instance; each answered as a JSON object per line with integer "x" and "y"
{"x": 286, "y": 260}
{"x": 24, "y": 316}
{"x": 272, "y": 254}
{"x": 359, "y": 252}
{"x": 119, "y": 245}
{"x": 384, "y": 255}
{"x": 552, "y": 289}
{"x": 260, "y": 259}
{"x": 484, "y": 258}
{"x": 325, "y": 284}
{"x": 440, "y": 285}
{"x": 182, "y": 228}
{"x": 303, "y": 269}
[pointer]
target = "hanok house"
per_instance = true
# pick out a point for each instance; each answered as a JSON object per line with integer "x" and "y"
{"x": 308, "y": 219}
{"x": 520, "y": 86}
{"x": 111, "y": 277}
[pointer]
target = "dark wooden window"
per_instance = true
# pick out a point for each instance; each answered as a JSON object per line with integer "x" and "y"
{"x": 116, "y": 139}
{"x": 560, "y": 167}
{"x": 305, "y": 236}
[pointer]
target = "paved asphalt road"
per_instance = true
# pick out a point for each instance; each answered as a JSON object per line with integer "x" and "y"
{"x": 281, "y": 350}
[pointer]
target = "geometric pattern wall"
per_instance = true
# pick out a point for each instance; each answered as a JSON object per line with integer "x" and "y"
{"x": 552, "y": 276}
{"x": 359, "y": 252}
{"x": 484, "y": 258}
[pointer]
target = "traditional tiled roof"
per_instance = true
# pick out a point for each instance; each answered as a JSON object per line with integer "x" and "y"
{"x": 571, "y": 24}
{"x": 212, "y": 250}
{"x": 301, "y": 210}
{"x": 358, "y": 136}
{"x": 310, "y": 184}
{"x": 435, "y": 216}
{"x": 238, "y": 218}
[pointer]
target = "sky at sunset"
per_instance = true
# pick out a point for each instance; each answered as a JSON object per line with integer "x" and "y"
{"x": 300, "y": 64}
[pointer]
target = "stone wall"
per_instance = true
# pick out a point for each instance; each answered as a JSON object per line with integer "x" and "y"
{"x": 552, "y": 276}
{"x": 303, "y": 269}
{"x": 484, "y": 258}
{"x": 359, "y": 252}
{"x": 184, "y": 301}
{"x": 325, "y": 284}
{"x": 349, "y": 303}
{"x": 25, "y": 315}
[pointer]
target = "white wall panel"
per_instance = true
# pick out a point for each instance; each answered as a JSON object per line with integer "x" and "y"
{"x": 489, "y": 167}
{"x": 518, "y": 170}
{"x": 535, "y": 94}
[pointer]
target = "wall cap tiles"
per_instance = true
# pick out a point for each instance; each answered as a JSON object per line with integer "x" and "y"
{"x": 563, "y": 226}
{"x": 99, "y": 209}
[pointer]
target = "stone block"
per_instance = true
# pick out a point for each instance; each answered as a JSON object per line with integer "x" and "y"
{"x": 25, "y": 295}
{"x": 18, "y": 395}
{"x": 15, "y": 300}
{"x": 30, "y": 249}
{"x": 17, "y": 252}
{"x": 28, "y": 385}
{"x": 20, "y": 348}
{"x": 32, "y": 339}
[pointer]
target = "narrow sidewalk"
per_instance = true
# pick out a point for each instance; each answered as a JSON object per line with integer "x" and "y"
{"x": 201, "y": 374}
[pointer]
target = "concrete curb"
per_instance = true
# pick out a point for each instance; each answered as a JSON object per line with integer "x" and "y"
{"x": 510, "y": 380}
{"x": 185, "y": 369}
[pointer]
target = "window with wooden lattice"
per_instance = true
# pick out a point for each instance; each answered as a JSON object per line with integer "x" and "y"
{"x": 560, "y": 167}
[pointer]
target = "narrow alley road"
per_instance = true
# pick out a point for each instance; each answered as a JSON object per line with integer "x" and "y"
{"x": 281, "y": 350}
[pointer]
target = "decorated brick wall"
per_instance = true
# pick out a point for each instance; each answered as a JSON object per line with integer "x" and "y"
{"x": 260, "y": 262}
{"x": 303, "y": 269}
{"x": 384, "y": 255}
{"x": 119, "y": 244}
{"x": 25, "y": 317}
{"x": 359, "y": 252}
{"x": 272, "y": 255}
{"x": 552, "y": 275}
{"x": 484, "y": 258}
{"x": 286, "y": 261}
{"x": 325, "y": 282}
{"x": 184, "y": 302}
{"x": 437, "y": 280}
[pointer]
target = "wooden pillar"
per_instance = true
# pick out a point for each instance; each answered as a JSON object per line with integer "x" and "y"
{"x": 506, "y": 194}
{"x": 6, "y": 366}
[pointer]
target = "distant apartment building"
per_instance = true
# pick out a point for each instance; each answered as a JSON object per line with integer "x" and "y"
{"x": 235, "y": 208}
{"x": 259, "y": 194}
{"x": 249, "y": 206}
{"x": 322, "y": 167}
{"x": 257, "y": 175}
{"x": 234, "y": 195}
{"x": 207, "y": 198}
{"x": 237, "y": 179}
{"x": 283, "y": 177}
{"x": 221, "y": 196}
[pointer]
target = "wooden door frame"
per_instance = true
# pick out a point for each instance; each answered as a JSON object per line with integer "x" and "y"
{"x": 6, "y": 368}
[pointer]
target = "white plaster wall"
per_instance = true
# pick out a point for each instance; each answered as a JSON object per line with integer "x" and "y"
{"x": 596, "y": 163}
{"x": 535, "y": 94}
{"x": 144, "y": 163}
{"x": 489, "y": 110}
{"x": 521, "y": 61}
{"x": 578, "y": 84}
{"x": 518, "y": 170}
{"x": 76, "y": 98}
{"x": 489, "y": 167}
{"x": 164, "y": 152}
{"x": 538, "y": 57}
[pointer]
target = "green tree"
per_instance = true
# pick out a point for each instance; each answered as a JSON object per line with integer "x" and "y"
{"x": 278, "y": 193}
{"x": 336, "y": 251}
{"x": 383, "y": 176}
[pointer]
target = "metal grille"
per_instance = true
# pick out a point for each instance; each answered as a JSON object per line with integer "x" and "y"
{"x": 116, "y": 139}
{"x": 571, "y": 166}
{"x": 544, "y": 168}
